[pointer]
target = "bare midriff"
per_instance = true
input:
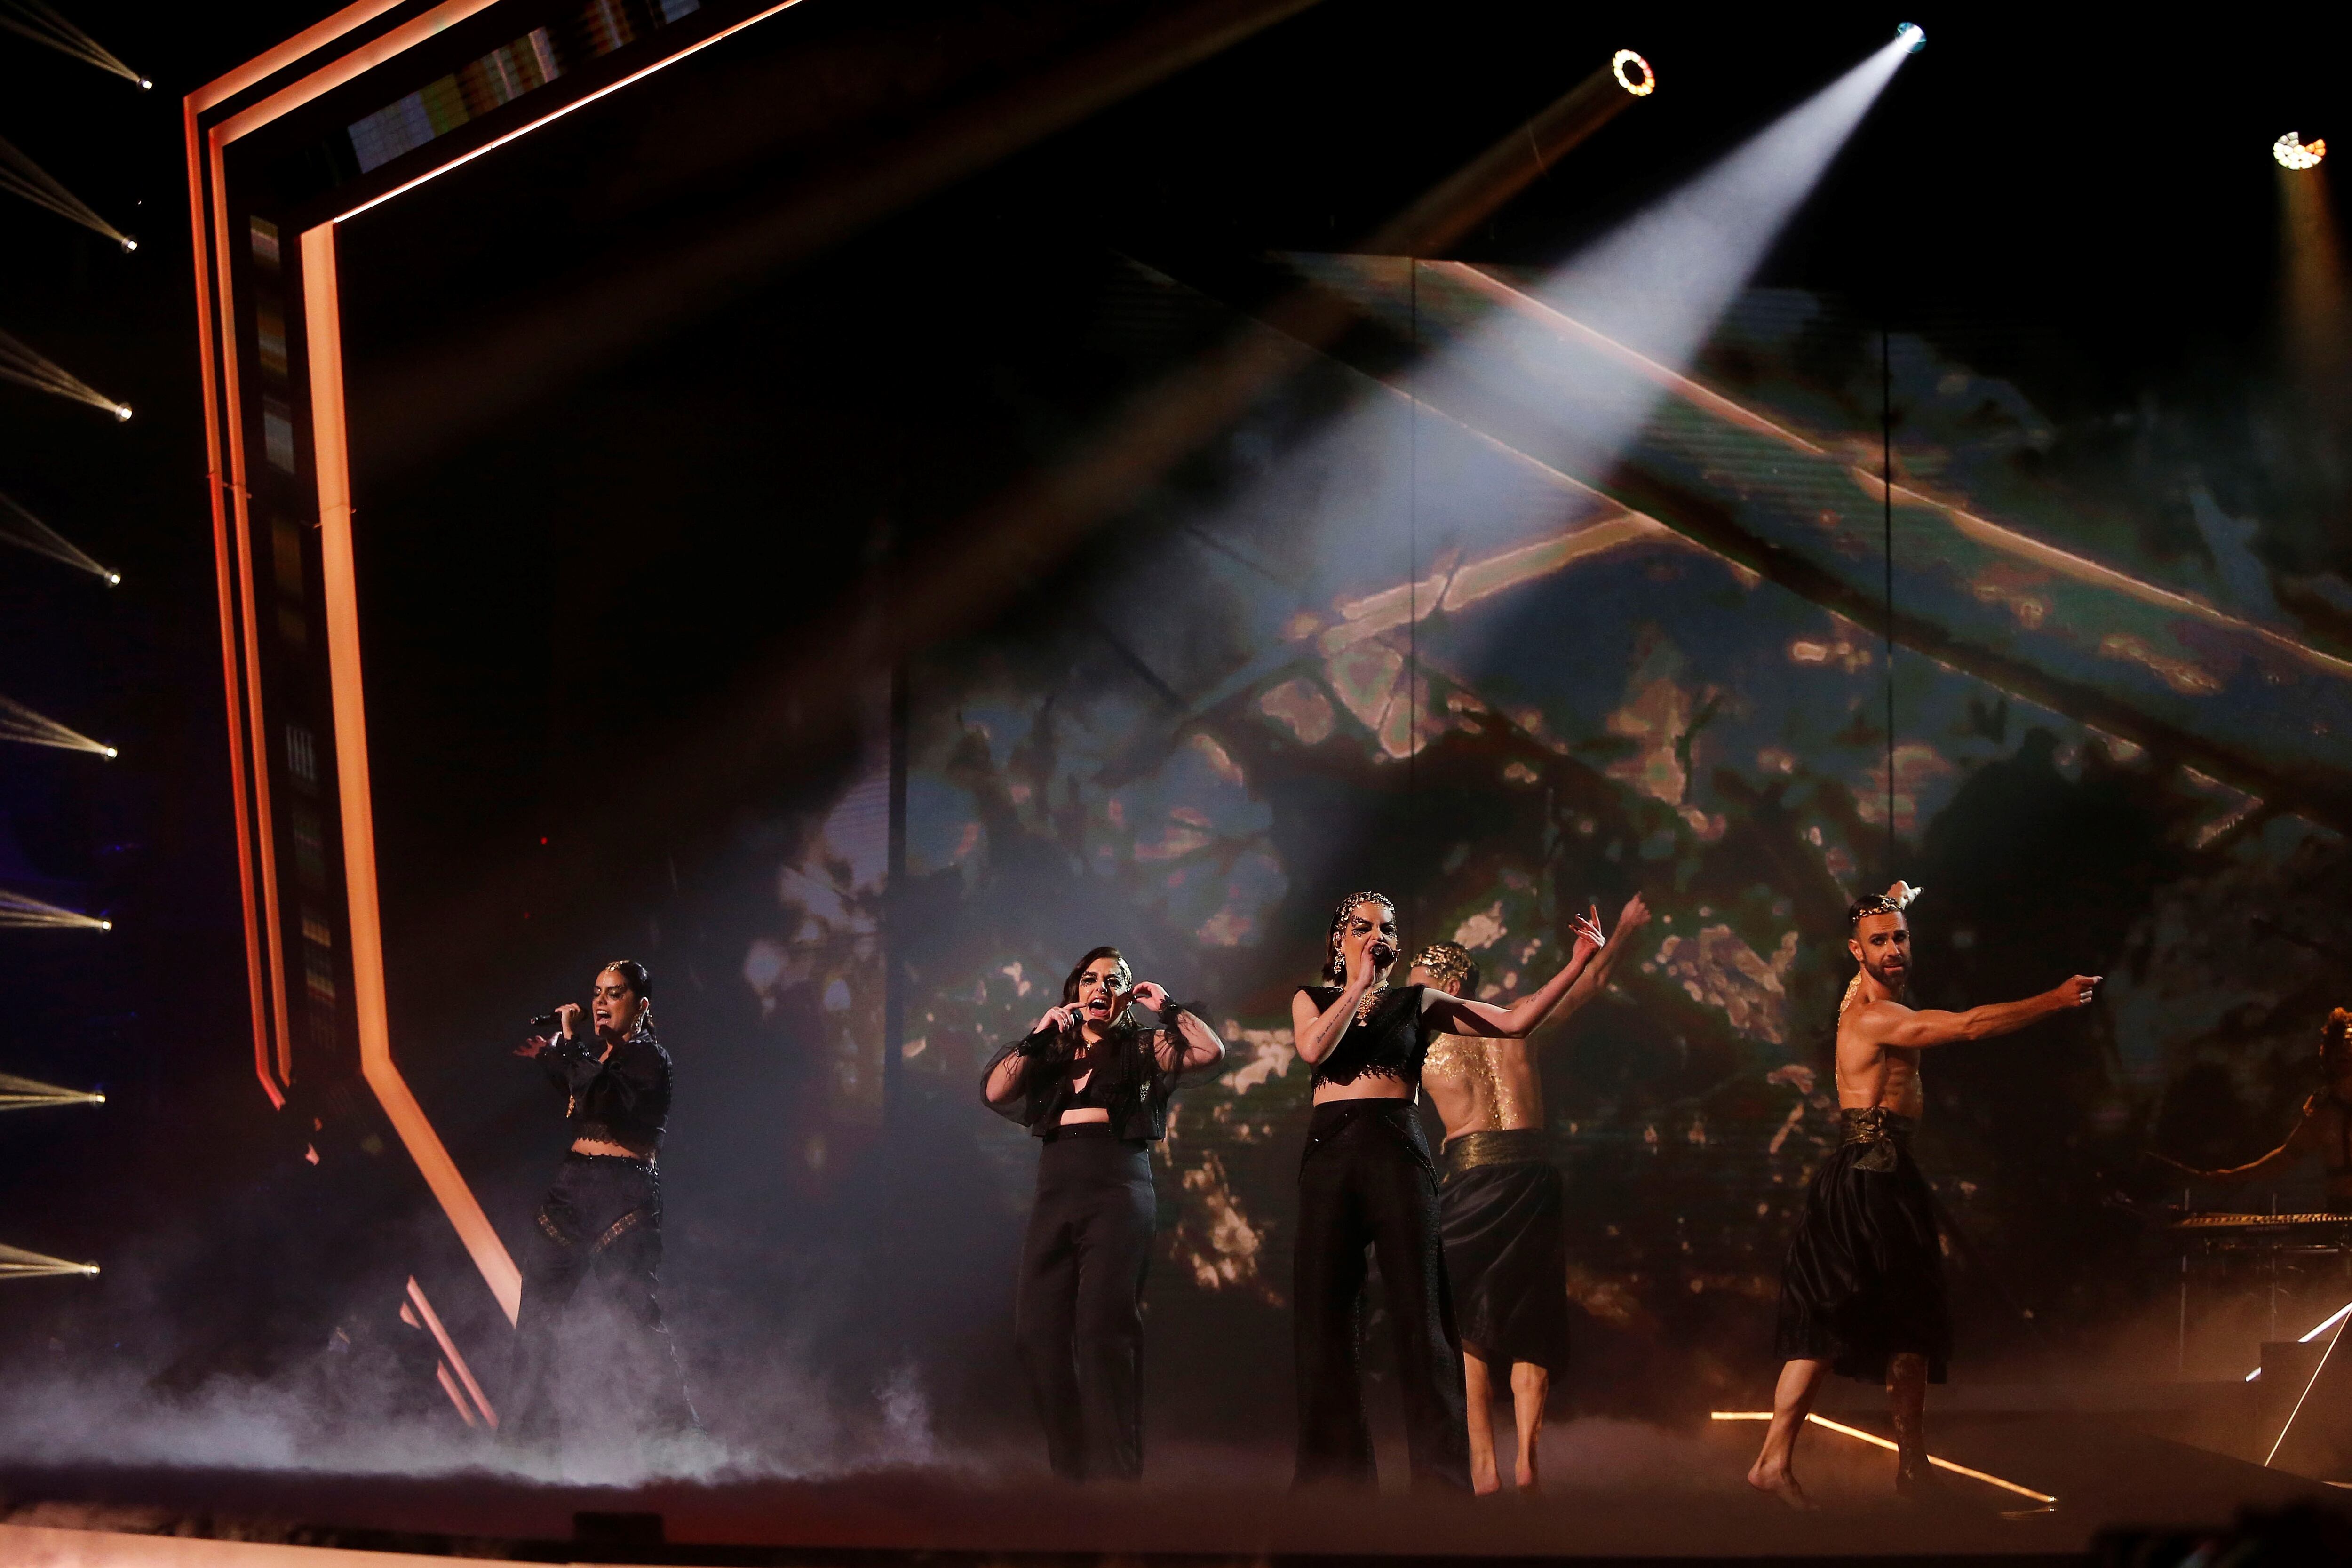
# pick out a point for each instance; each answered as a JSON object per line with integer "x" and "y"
{"x": 1366, "y": 1086}
{"x": 608, "y": 1148}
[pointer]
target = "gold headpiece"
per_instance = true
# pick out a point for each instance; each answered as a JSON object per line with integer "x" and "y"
{"x": 1448, "y": 964}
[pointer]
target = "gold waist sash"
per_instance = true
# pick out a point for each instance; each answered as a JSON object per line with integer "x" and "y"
{"x": 1500, "y": 1146}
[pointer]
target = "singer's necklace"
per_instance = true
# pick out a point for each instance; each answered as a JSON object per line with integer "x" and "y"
{"x": 1371, "y": 998}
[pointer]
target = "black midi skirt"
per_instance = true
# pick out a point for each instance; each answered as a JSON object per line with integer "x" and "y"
{"x": 1506, "y": 1231}
{"x": 1864, "y": 1281}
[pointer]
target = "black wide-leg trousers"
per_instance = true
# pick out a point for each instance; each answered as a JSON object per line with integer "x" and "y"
{"x": 1078, "y": 1315}
{"x": 601, "y": 1221}
{"x": 1367, "y": 1181}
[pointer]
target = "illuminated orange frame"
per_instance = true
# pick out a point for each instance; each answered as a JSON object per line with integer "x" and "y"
{"x": 224, "y": 451}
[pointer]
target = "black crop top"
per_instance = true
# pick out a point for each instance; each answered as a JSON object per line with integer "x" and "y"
{"x": 1390, "y": 1043}
{"x": 624, "y": 1099}
{"x": 1135, "y": 1089}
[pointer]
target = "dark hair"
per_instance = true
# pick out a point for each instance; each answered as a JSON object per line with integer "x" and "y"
{"x": 630, "y": 970}
{"x": 1070, "y": 986}
{"x": 2333, "y": 1037}
{"x": 1333, "y": 970}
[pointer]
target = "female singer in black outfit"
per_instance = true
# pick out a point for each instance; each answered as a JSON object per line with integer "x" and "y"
{"x": 1095, "y": 1084}
{"x": 1367, "y": 1179}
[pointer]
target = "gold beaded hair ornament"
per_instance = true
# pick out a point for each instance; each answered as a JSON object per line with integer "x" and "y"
{"x": 1448, "y": 964}
{"x": 1892, "y": 901}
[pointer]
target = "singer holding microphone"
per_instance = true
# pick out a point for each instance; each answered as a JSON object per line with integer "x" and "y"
{"x": 1093, "y": 1084}
{"x": 1366, "y": 1179}
{"x": 602, "y": 1217}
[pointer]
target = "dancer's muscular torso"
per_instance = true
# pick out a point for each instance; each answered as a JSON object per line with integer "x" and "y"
{"x": 1483, "y": 1086}
{"x": 1871, "y": 1072}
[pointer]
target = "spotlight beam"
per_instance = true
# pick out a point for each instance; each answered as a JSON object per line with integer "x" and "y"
{"x": 23, "y": 913}
{"x": 1470, "y": 196}
{"x": 26, "y": 531}
{"x": 26, "y": 367}
{"x": 16, "y": 1263}
{"x": 24, "y": 1094}
{"x": 31, "y": 19}
{"x": 20, "y": 176}
{"x": 27, "y": 727}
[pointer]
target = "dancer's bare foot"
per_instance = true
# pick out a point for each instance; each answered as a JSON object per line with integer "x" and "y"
{"x": 1779, "y": 1481}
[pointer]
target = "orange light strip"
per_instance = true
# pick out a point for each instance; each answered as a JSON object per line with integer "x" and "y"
{"x": 449, "y": 1388}
{"x": 366, "y": 58}
{"x": 1876, "y": 1441}
{"x": 339, "y": 596}
{"x": 301, "y": 44}
{"x": 205, "y": 350}
{"x": 449, "y": 1352}
{"x": 556, "y": 114}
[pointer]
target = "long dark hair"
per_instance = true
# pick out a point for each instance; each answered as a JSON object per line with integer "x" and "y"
{"x": 1335, "y": 971}
{"x": 1129, "y": 1044}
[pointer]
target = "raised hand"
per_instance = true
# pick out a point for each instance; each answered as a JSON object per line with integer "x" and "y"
{"x": 1362, "y": 969}
{"x": 1058, "y": 1019}
{"x": 532, "y": 1047}
{"x": 1153, "y": 996}
{"x": 1589, "y": 938}
{"x": 1632, "y": 917}
{"x": 2080, "y": 991}
{"x": 567, "y": 1015}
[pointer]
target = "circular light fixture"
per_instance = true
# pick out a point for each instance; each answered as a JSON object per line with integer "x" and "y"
{"x": 145, "y": 84}
{"x": 2293, "y": 153}
{"x": 121, "y": 411}
{"x": 1648, "y": 83}
{"x": 1916, "y": 33}
{"x": 128, "y": 245}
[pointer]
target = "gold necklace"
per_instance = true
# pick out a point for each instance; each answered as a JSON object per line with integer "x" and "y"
{"x": 1371, "y": 999}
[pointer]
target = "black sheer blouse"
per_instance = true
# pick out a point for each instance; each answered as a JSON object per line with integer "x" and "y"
{"x": 1131, "y": 1083}
{"x": 624, "y": 1099}
{"x": 1390, "y": 1043}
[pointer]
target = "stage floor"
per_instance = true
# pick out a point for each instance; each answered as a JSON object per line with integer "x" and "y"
{"x": 1616, "y": 1490}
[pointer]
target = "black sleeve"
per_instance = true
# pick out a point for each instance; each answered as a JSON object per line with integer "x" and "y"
{"x": 1019, "y": 1109}
{"x": 633, "y": 1074}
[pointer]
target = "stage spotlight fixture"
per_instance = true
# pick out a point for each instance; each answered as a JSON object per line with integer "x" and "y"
{"x": 2293, "y": 153}
{"x": 145, "y": 84}
{"x": 121, "y": 411}
{"x": 128, "y": 245}
{"x": 1916, "y": 33}
{"x": 110, "y": 751}
{"x": 114, "y": 579}
{"x": 1643, "y": 87}
{"x": 106, "y": 925}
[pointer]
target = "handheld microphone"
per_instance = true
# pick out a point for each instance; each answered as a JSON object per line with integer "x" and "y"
{"x": 546, "y": 1022}
{"x": 1383, "y": 954}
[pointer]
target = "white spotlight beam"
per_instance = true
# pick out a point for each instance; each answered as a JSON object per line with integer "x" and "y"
{"x": 27, "y": 727}
{"x": 26, "y": 531}
{"x": 26, "y": 913}
{"x": 16, "y": 1263}
{"x": 1662, "y": 279}
{"x": 24, "y": 1093}
{"x": 20, "y": 176}
{"x": 32, "y": 19}
{"x": 28, "y": 368}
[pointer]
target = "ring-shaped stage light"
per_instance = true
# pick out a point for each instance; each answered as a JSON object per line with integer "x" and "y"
{"x": 2293, "y": 153}
{"x": 1916, "y": 33}
{"x": 1649, "y": 82}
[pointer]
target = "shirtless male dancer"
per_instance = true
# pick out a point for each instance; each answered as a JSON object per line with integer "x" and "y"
{"x": 1500, "y": 1205}
{"x": 1863, "y": 1288}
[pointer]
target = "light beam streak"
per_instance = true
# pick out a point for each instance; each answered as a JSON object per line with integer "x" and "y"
{"x": 20, "y": 176}
{"x": 1875, "y": 1440}
{"x": 25, "y": 913}
{"x": 28, "y": 368}
{"x": 31, "y": 19}
{"x": 22, "y": 725}
{"x": 24, "y": 1093}
{"x": 26, "y": 531}
{"x": 16, "y": 1263}
{"x": 1662, "y": 280}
